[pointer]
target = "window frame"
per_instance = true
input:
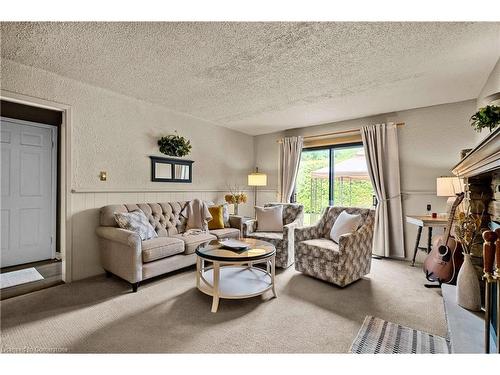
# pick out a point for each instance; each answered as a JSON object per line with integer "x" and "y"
{"x": 331, "y": 171}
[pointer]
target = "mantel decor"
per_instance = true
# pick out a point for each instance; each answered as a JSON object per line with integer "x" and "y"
{"x": 171, "y": 170}
{"x": 486, "y": 118}
{"x": 468, "y": 232}
{"x": 174, "y": 145}
{"x": 485, "y": 157}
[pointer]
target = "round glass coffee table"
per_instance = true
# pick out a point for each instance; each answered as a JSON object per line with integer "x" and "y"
{"x": 224, "y": 273}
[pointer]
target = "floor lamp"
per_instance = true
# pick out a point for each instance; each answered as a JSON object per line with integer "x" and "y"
{"x": 256, "y": 179}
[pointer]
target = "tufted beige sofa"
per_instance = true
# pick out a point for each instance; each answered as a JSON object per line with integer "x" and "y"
{"x": 125, "y": 255}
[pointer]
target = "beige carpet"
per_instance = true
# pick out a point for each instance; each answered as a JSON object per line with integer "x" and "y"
{"x": 170, "y": 315}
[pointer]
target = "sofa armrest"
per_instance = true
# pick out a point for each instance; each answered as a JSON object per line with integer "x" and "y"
{"x": 236, "y": 221}
{"x": 306, "y": 233}
{"x": 123, "y": 236}
{"x": 121, "y": 252}
{"x": 249, "y": 226}
{"x": 358, "y": 243}
{"x": 289, "y": 236}
{"x": 295, "y": 224}
{"x": 289, "y": 231}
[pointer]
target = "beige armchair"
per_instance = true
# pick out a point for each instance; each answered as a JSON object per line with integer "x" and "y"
{"x": 293, "y": 217}
{"x": 318, "y": 256}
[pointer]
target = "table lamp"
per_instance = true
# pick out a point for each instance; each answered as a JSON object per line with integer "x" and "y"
{"x": 257, "y": 179}
{"x": 449, "y": 187}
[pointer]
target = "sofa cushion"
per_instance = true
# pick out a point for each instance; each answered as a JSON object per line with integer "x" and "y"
{"x": 192, "y": 241}
{"x": 225, "y": 211}
{"x": 267, "y": 235}
{"x": 161, "y": 247}
{"x": 217, "y": 221}
{"x": 345, "y": 223}
{"x": 269, "y": 219}
{"x": 319, "y": 248}
{"x": 164, "y": 217}
{"x": 226, "y": 233}
{"x": 291, "y": 212}
{"x": 137, "y": 222}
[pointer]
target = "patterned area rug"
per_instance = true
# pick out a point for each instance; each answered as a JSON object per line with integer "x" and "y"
{"x": 380, "y": 336}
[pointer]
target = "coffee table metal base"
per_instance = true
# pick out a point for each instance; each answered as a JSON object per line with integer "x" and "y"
{"x": 234, "y": 281}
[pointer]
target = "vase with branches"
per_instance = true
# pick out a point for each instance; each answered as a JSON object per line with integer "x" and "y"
{"x": 468, "y": 233}
{"x": 236, "y": 196}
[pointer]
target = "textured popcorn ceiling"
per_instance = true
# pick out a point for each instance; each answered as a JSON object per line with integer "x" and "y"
{"x": 263, "y": 77}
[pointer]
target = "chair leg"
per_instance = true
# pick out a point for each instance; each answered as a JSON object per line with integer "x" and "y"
{"x": 135, "y": 286}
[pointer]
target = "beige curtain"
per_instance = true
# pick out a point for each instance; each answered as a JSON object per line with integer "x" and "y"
{"x": 290, "y": 150}
{"x": 382, "y": 157}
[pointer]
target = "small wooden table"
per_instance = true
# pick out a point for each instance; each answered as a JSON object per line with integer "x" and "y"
{"x": 429, "y": 222}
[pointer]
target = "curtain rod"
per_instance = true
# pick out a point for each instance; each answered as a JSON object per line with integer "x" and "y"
{"x": 399, "y": 124}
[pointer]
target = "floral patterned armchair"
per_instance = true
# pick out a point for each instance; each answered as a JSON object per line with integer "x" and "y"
{"x": 343, "y": 263}
{"x": 293, "y": 217}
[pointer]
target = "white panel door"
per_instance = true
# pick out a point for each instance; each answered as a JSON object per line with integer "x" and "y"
{"x": 28, "y": 161}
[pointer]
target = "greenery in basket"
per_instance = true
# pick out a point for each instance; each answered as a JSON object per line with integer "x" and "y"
{"x": 174, "y": 145}
{"x": 486, "y": 117}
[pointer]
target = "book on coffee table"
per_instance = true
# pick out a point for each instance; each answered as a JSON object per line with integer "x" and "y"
{"x": 234, "y": 245}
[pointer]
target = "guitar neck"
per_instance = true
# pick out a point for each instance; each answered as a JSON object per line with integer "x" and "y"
{"x": 451, "y": 216}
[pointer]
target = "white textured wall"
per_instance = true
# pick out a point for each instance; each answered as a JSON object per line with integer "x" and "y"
{"x": 117, "y": 133}
{"x": 491, "y": 86}
{"x": 429, "y": 146}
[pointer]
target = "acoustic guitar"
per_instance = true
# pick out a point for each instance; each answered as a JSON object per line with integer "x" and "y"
{"x": 445, "y": 259}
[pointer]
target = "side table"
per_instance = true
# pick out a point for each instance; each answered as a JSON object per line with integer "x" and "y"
{"x": 429, "y": 222}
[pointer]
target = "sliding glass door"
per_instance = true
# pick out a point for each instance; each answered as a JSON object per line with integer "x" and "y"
{"x": 332, "y": 176}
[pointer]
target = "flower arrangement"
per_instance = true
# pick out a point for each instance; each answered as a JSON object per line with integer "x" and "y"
{"x": 174, "y": 145}
{"x": 235, "y": 196}
{"x": 486, "y": 117}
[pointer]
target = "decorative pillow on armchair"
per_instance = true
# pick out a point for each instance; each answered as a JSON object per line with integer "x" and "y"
{"x": 345, "y": 223}
{"x": 137, "y": 222}
{"x": 269, "y": 219}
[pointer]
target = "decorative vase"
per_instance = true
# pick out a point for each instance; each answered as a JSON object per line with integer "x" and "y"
{"x": 468, "y": 292}
{"x": 236, "y": 209}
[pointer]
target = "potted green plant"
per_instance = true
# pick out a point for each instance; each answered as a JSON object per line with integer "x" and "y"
{"x": 174, "y": 145}
{"x": 486, "y": 117}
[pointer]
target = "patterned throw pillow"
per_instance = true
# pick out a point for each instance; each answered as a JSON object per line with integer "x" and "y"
{"x": 137, "y": 222}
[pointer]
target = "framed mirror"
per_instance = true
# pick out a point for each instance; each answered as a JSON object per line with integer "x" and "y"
{"x": 171, "y": 170}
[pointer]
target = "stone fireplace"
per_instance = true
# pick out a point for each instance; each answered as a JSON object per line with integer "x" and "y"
{"x": 480, "y": 169}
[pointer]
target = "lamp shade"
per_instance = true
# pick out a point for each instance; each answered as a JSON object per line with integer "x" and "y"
{"x": 449, "y": 186}
{"x": 257, "y": 179}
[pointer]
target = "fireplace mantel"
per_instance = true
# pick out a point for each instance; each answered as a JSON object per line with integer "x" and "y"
{"x": 484, "y": 158}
